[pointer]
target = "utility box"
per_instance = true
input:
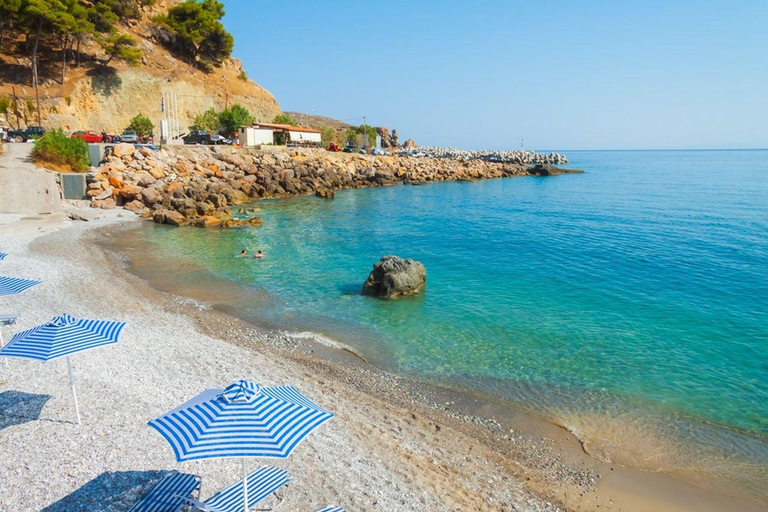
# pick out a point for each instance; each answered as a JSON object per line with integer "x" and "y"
{"x": 95, "y": 154}
{"x": 73, "y": 186}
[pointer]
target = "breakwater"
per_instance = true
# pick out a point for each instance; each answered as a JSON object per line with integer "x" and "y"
{"x": 182, "y": 185}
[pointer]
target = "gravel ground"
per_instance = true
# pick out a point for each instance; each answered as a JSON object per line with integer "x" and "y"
{"x": 386, "y": 449}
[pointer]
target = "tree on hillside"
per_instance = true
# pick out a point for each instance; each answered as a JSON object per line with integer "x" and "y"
{"x": 208, "y": 121}
{"x": 9, "y": 10}
{"x": 233, "y": 118}
{"x": 285, "y": 119}
{"x": 199, "y": 34}
{"x": 123, "y": 47}
{"x": 142, "y": 125}
{"x": 36, "y": 16}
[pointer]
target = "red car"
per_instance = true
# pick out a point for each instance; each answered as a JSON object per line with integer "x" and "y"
{"x": 334, "y": 147}
{"x": 89, "y": 136}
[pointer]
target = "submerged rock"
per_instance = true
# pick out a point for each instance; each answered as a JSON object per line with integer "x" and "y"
{"x": 393, "y": 276}
{"x": 550, "y": 170}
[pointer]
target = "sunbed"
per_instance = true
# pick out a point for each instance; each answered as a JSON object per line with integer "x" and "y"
{"x": 261, "y": 484}
{"x": 169, "y": 494}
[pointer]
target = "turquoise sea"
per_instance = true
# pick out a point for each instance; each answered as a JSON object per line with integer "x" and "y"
{"x": 629, "y": 304}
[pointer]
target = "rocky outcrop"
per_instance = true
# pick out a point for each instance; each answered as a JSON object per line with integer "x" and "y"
{"x": 393, "y": 276}
{"x": 549, "y": 170}
{"x": 200, "y": 184}
{"x": 387, "y": 141}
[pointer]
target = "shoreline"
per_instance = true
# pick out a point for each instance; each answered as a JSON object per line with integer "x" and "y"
{"x": 598, "y": 484}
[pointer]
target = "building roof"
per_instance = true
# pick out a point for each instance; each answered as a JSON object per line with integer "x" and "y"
{"x": 285, "y": 127}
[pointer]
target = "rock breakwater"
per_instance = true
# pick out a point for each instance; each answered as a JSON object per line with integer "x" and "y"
{"x": 511, "y": 157}
{"x": 197, "y": 185}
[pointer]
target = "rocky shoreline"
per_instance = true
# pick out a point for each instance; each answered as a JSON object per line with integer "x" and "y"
{"x": 183, "y": 185}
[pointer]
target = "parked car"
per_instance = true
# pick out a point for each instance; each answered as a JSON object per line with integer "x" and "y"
{"x": 31, "y": 132}
{"x": 197, "y": 137}
{"x": 349, "y": 148}
{"x": 88, "y": 136}
{"x": 379, "y": 152}
{"x": 215, "y": 138}
{"x": 334, "y": 147}
{"x": 130, "y": 137}
{"x": 115, "y": 139}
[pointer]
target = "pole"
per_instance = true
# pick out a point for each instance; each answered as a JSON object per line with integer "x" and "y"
{"x": 2, "y": 344}
{"x": 245, "y": 487}
{"x": 72, "y": 384}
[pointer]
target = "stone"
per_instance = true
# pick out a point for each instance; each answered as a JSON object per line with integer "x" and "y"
{"x": 135, "y": 206}
{"x": 150, "y": 196}
{"x": 130, "y": 191}
{"x": 145, "y": 179}
{"x": 157, "y": 172}
{"x": 170, "y": 217}
{"x": 207, "y": 221}
{"x": 108, "y": 192}
{"x": 104, "y": 204}
{"x": 393, "y": 276}
{"x": 549, "y": 170}
{"x": 123, "y": 150}
{"x": 325, "y": 193}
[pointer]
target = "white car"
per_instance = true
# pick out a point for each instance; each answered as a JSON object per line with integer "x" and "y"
{"x": 130, "y": 137}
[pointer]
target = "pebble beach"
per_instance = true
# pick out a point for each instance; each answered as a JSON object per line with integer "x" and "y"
{"x": 373, "y": 456}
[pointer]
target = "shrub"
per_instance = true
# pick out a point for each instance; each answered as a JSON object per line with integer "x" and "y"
{"x": 233, "y": 118}
{"x": 56, "y": 148}
{"x": 208, "y": 121}
{"x": 285, "y": 119}
{"x": 142, "y": 125}
{"x": 243, "y": 76}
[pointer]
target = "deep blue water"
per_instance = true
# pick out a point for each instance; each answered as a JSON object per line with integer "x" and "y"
{"x": 631, "y": 300}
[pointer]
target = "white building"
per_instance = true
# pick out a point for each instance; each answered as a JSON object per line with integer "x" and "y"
{"x": 264, "y": 133}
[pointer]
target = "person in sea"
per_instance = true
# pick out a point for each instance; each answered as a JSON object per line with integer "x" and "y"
{"x": 258, "y": 255}
{"x": 242, "y": 254}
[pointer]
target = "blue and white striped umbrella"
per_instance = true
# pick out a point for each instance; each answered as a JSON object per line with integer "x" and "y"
{"x": 2, "y": 256}
{"x": 63, "y": 336}
{"x": 13, "y": 285}
{"x": 243, "y": 420}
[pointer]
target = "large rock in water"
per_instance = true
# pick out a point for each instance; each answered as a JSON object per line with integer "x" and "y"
{"x": 393, "y": 276}
{"x": 550, "y": 170}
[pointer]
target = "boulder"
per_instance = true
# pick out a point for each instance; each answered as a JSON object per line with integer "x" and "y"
{"x": 549, "y": 170}
{"x": 157, "y": 172}
{"x": 122, "y": 150}
{"x": 151, "y": 196}
{"x": 145, "y": 179}
{"x": 325, "y": 193}
{"x": 104, "y": 204}
{"x": 135, "y": 206}
{"x": 393, "y": 276}
{"x": 170, "y": 217}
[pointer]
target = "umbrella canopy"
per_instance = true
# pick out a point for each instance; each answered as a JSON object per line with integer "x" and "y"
{"x": 13, "y": 285}
{"x": 243, "y": 420}
{"x": 62, "y": 336}
{"x": 2, "y": 256}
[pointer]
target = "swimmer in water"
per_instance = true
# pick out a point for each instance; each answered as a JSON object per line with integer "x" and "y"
{"x": 258, "y": 255}
{"x": 242, "y": 253}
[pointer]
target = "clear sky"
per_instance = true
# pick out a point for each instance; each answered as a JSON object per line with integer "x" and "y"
{"x": 567, "y": 74}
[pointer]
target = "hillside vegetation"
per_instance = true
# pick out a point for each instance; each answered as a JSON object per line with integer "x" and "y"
{"x": 96, "y": 64}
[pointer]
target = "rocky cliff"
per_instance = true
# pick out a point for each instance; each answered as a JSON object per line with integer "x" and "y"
{"x": 106, "y": 98}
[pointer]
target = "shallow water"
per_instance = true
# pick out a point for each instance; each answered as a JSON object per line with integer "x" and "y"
{"x": 629, "y": 304}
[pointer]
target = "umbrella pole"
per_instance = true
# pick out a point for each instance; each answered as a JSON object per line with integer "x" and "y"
{"x": 245, "y": 487}
{"x": 2, "y": 344}
{"x": 72, "y": 384}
